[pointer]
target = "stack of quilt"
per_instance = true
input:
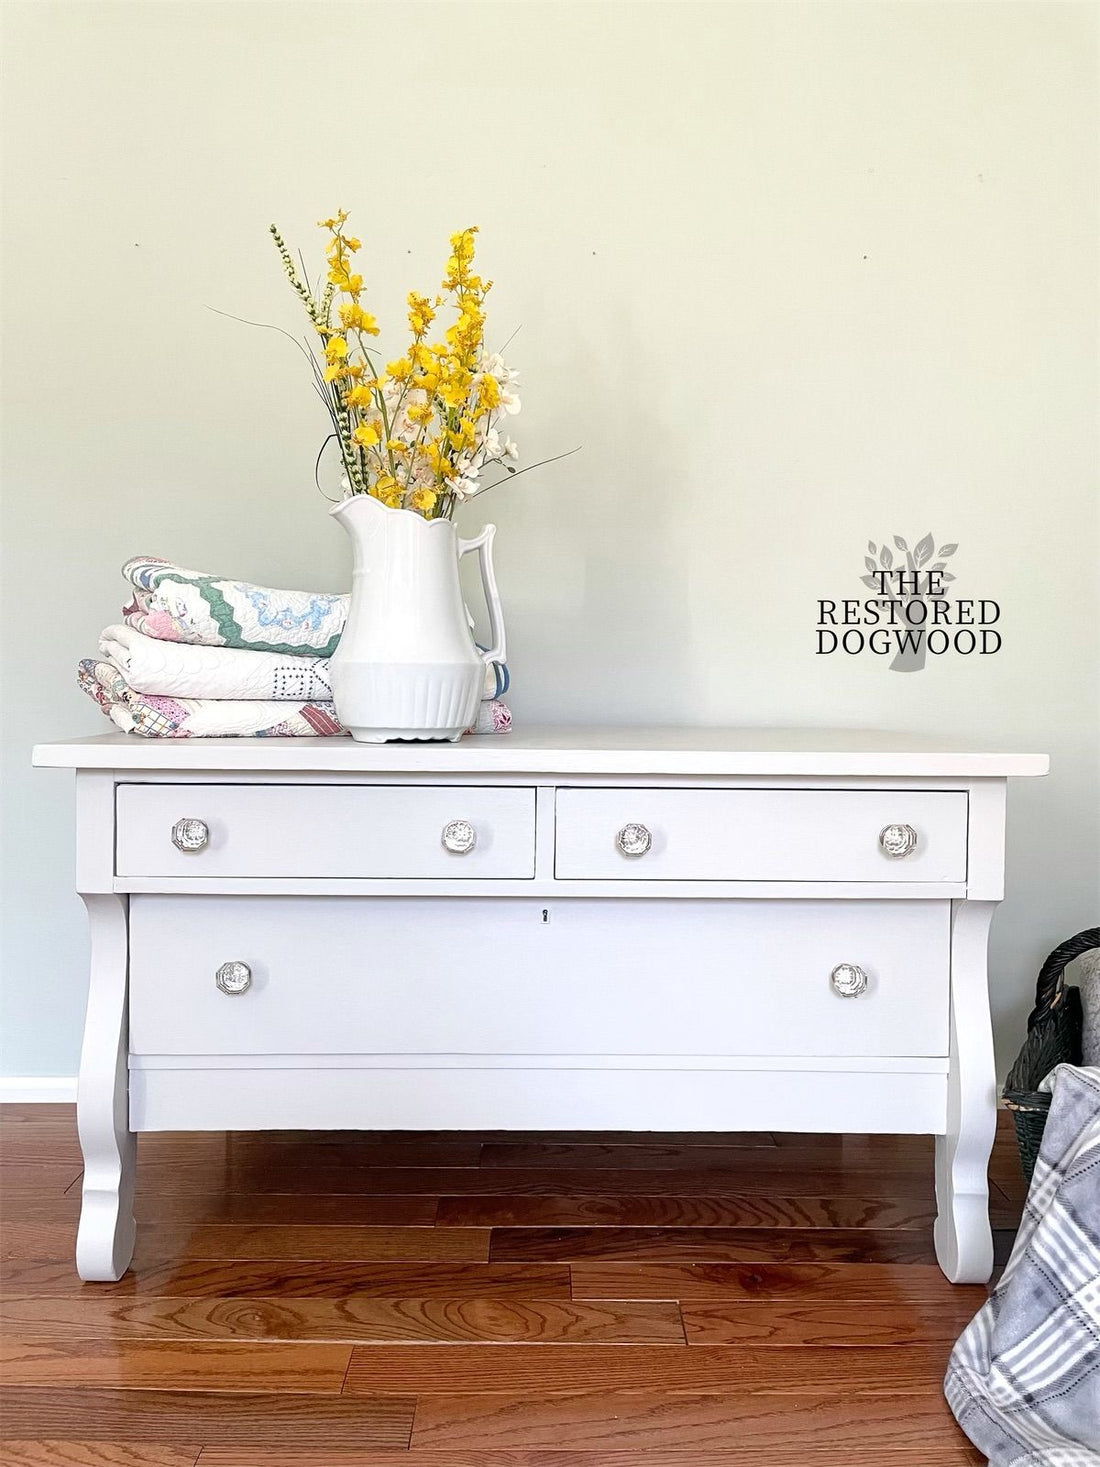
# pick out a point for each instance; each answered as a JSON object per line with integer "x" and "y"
{"x": 196, "y": 656}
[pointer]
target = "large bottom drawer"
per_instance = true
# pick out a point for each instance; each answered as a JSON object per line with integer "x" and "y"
{"x": 504, "y": 976}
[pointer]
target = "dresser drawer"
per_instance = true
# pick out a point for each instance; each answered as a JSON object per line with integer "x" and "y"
{"x": 319, "y": 831}
{"x": 516, "y": 976}
{"x": 758, "y": 835}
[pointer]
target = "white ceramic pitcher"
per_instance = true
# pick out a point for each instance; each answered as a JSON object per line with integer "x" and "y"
{"x": 407, "y": 666}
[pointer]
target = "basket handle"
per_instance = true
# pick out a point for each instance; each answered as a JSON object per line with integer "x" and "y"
{"x": 1049, "y": 987}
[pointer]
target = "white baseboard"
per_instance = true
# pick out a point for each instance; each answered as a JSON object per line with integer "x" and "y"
{"x": 21, "y": 1089}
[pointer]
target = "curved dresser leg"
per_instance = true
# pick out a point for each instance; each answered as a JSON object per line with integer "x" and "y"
{"x": 105, "y": 1237}
{"x": 964, "y": 1243}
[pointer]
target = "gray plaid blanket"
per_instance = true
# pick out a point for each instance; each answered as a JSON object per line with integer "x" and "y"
{"x": 1024, "y": 1377}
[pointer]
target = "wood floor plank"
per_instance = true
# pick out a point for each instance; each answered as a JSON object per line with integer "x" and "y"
{"x": 192, "y": 1365}
{"x": 638, "y": 1155}
{"x": 746, "y": 1245}
{"x": 544, "y": 1369}
{"x": 250, "y": 1209}
{"x": 46, "y": 1207}
{"x": 19, "y": 1112}
{"x": 354, "y": 1320}
{"x": 797, "y": 1283}
{"x": 346, "y": 1137}
{"x": 98, "y": 1454}
{"x": 294, "y": 1280}
{"x": 939, "y": 1453}
{"x": 850, "y": 1325}
{"x": 600, "y": 1421}
{"x": 634, "y": 1210}
{"x": 301, "y": 1151}
{"x": 17, "y": 1178}
{"x": 856, "y": 1154}
{"x": 30, "y": 1145}
{"x": 31, "y": 1241}
{"x": 890, "y": 1183}
{"x": 319, "y": 1422}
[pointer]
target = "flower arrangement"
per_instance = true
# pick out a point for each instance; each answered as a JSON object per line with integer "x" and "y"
{"x": 418, "y": 432}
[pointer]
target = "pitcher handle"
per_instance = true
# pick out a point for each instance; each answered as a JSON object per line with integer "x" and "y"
{"x": 483, "y": 544}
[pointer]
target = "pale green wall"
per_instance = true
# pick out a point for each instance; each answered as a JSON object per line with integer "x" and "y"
{"x": 795, "y": 276}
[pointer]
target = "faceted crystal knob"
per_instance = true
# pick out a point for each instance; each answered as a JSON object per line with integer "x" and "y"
{"x": 459, "y": 836}
{"x": 233, "y": 978}
{"x": 634, "y": 840}
{"x": 190, "y": 835}
{"x": 897, "y": 840}
{"x": 848, "y": 980}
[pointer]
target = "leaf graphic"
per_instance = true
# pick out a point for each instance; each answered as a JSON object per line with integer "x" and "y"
{"x": 947, "y": 550}
{"x": 871, "y": 547}
{"x": 869, "y": 563}
{"x": 923, "y": 549}
{"x": 947, "y": 576}
{"x": 870, "y": 581}
{"x": 900, "y": 543}
{"x": 886, "y": 558}
{"x": 937, "y": 567}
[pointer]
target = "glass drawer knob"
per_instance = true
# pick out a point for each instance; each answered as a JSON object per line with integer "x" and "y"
{"x": 897, "y": 840}
{"x": 233, "y": 978}
{"x": 634, "y": 840}
{"x": 848, "y": 980}
{"x": 459, "y": 836}
{"x": 190, "y": 835}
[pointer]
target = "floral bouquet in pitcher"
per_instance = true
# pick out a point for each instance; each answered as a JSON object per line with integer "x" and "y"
{"x": 417, "y": 436}
{"x": 421, "y": 431}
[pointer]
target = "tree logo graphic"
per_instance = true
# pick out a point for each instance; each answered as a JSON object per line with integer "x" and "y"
{"x": 910, "y": 656}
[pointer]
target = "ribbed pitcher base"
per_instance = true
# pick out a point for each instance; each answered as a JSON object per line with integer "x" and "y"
{"x": 392, "y": 735}
{"x": 379, "y": 701}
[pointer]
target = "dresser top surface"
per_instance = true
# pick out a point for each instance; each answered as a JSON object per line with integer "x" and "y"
{"x": 564, "y": 750}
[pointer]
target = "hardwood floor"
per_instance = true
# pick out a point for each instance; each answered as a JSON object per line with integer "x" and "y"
{"x": 346, "y": 1299}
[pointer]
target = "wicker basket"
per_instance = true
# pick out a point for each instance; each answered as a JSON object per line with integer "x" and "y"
{"x": 1053, "y": 1038}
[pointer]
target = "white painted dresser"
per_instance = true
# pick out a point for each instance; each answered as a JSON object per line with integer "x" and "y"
{"x": 646, "y": 929}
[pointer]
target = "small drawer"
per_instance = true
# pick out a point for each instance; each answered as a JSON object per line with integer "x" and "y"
{"x": 758, "y": 835}
{"x": 325, "y": 831}
{"x": 599, "y": 977}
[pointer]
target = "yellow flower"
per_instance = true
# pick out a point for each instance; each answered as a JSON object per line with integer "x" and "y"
{"x": 359, "y": 396}
{"x": 354, "y": 318}
{"x": 337, "y": 370}
{"x": 488, "y": 392}
{"x": 420, "y": 413}
{"x": 338, "y": 276}
{"x": 401, "y": 370}
{"x": 423, "y": 500}
{"x": 388, "y": 490}
{"x": 341, "y": 216}
{"x": 366, "y": 435}
{"x": 336, "y": 348}
{"x": 421, "y": 314}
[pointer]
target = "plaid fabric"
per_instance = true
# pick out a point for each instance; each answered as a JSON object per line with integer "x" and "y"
{"x": 1024, "y": 1378}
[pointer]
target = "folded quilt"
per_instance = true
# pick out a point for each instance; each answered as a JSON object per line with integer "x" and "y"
{"x": 184, "y": 670}
{"x": 169, "y": 717}
{"x": 163, "y": 717}
{"x": 173, "y": 604}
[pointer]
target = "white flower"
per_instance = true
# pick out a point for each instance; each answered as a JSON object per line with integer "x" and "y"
{"x": 511, "y": 450}
{"x": 464, "y": 483}
{"x": 509, "y": 400}
{"x": 490, "y": 446}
